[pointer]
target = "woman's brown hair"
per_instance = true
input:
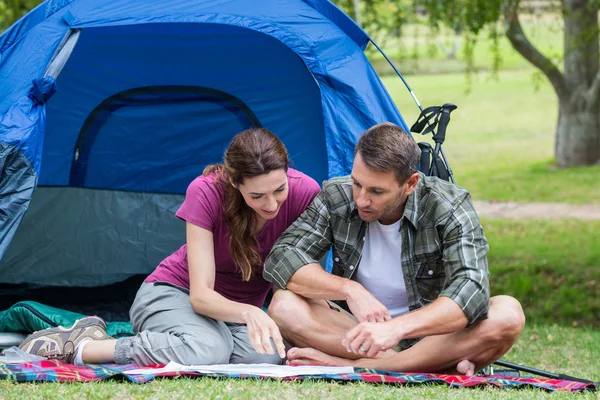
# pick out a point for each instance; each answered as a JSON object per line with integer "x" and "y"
{"x": 251, "y": 153}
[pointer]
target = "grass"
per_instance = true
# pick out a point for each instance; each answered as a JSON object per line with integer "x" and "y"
{"x": 500, "y": 146}
{"x": 541, "y": 347}
{"x": 550, "y": 266}
{"x": 500, "y": 140}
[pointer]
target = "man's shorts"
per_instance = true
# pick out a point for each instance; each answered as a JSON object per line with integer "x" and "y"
{"x": 402, "y": 345}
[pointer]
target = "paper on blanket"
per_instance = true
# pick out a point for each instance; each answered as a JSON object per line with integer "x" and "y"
{"x": 276, "y": 371}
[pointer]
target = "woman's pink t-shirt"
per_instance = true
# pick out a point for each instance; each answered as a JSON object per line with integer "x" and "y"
{"x": 203, "y": 206}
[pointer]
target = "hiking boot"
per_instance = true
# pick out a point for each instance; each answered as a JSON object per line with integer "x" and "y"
{"x": 61, "y": 343}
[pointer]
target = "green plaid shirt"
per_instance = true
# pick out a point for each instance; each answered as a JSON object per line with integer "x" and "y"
{"x": 444, "y": 251}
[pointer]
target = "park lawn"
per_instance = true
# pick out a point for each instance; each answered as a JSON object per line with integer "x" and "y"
{"x": 547, "y": 347}
{"x": 500, "y": 140}
{"x": 550, "y": 266}
{"x": 500, "y": 147}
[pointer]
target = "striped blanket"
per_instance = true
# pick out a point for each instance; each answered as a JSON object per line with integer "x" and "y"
{"x": 56, "y": 371}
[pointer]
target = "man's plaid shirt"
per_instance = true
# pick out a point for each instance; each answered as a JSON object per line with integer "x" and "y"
{"x": 444, "y": 250}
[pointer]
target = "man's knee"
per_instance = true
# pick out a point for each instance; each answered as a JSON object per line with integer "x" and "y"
{"x": 289, "y": 310}
{"x": 506, "y": 319}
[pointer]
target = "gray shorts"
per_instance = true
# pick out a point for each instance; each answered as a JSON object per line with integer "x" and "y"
{"x": 168, "y": 329}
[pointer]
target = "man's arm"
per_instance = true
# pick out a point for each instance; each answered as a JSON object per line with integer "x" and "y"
{"x": 466, "y": 299}
{"x": 465, "y": 251}
{"x": 312, "y": 282}
{"x": 463, "y": 302}
{"x": 293, "y": 264}
{"x": 303, "y": 243}
{"x": 440, "y": 317}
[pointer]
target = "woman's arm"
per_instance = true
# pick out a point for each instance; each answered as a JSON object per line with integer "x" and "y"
{"x": 201, "y": 263}
{"x": 205, "y": 301}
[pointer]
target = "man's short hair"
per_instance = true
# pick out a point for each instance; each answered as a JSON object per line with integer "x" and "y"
{"x": 387, "y": 147}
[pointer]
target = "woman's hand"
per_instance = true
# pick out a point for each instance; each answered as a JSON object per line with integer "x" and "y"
{"x": 261, "y": 329}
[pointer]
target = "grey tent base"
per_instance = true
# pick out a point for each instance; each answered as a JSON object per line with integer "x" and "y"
{"x": 84, "y": 237}
{"x": 88, "y": 251}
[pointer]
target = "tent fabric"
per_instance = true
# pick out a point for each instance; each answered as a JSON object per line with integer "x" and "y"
{"x": 104, "y": 238}
{"x": 148, "y": 94}
{"x": 21, "y": 130}
{"x": 291, "y": 104}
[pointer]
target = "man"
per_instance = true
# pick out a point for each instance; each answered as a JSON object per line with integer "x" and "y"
{"x": 410, "y": 271}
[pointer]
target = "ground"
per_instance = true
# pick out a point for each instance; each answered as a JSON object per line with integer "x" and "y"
{"x": 514, "y": 210}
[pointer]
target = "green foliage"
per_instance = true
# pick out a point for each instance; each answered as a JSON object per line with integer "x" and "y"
{"x": 491, "y": 51}
{"x": 12, "y": 10}
{"x": 383, "y": 20}
{"x": 550, "y": 266}
{"x": 377, "y": 15}
{"x": 391, "y": 15}
{"x": 500, "y": 139}
{"x": 462, "y": 15}
{"x": 499, "y": 144}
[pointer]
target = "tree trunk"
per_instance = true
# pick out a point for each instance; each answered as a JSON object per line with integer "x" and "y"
{"x": 577, "y": 136}
{"x": 357, "y": 15}
{"x": 578, "y": 130}
{"x": 577, "y": 87}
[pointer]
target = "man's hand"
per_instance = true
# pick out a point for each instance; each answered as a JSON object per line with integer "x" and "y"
{"x": 261, "y": 329}
{"x": 363, "y": 305}
{"x": 367, "y": 339}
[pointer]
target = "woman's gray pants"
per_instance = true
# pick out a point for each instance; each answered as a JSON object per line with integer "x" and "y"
{"x": 168, "y": 329}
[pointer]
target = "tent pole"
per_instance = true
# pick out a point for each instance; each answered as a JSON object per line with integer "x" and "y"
{"x": 399, "y": 74}
{"x": 540, "y": 372}
{"x": 414, "y": 97}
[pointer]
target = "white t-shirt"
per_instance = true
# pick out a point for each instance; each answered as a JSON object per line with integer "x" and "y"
{"x": 380, "y": 268}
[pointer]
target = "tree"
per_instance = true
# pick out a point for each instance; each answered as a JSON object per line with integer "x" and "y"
{"x": 12, "y": 10}
{"x": 381, "y": 18}
{"x": 577, "y": 84}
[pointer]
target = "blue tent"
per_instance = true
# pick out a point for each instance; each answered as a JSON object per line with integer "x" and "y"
{"x": 109, "y": 109}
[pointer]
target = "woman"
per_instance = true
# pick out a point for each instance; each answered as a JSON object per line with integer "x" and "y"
{"x": 202, "y": 304}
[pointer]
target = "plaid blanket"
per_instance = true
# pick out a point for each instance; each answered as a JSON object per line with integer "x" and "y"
{"x": 56, "y": 371}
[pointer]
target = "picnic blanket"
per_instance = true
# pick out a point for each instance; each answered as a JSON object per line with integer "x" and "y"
{"x": 56, "y": 371}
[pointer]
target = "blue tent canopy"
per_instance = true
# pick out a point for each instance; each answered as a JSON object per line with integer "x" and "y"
{"x": 108, "y": 110}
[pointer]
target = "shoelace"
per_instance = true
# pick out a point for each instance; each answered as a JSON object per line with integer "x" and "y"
{"x": 57, "y": 354}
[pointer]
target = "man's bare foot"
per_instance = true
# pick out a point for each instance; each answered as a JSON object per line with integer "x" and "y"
{"x": 310, "y": 356}
{"x": 466, "y": 367}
